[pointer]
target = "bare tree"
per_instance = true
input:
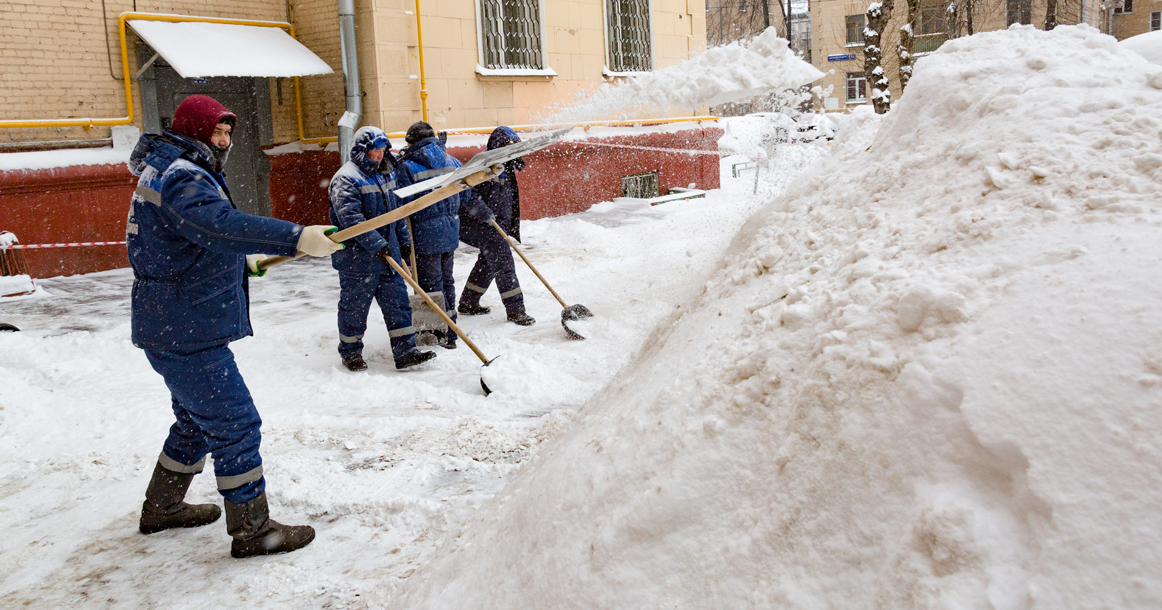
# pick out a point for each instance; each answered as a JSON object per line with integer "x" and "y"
{"x": 1050, "y": 14}
{"x": 878, "y": 15}
{"x": 904, "y": 44}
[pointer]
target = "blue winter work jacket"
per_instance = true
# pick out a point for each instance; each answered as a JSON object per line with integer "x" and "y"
{"x": 360, "y": 191}
{"x": 501, "y": 195}
{"x": 187, "y": 245}
{"x": 437, "y": 227}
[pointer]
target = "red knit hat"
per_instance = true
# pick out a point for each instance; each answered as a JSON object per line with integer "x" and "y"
{"x": 197, "y": 115}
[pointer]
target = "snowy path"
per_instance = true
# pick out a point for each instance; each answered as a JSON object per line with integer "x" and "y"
{"x": 382, "y": 463}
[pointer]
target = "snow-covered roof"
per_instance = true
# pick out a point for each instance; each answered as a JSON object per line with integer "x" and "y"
{"x": 197, "y": 49}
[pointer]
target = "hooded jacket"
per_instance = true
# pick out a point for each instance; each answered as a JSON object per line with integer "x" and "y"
{"x": 187, "y": 245}
{"x": 360, "y": 191}
{"x": 501, "y": 195}
{"x": 436, "y": 227}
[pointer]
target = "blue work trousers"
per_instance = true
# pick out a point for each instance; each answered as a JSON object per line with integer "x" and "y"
{"x": 495, "y": 261}
{"x": 435, "y": 271}
{"x": 356, "y": 292}
{"x": 215, "y": 415}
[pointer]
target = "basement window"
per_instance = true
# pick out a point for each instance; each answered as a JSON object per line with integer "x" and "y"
{"x": 640, "y": 186}
{"x": 629, "y": 44}
{"x": 512, "y": 38}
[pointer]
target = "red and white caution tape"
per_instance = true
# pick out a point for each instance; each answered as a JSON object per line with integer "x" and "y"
{"x": 65, "y": 245}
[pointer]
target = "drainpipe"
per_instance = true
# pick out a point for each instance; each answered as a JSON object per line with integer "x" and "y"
{"x": 350, "y": 121}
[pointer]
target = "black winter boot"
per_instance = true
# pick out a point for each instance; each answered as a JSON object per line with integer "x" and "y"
{"x": 255, "y": 533}
{"x": 522, "y": 319}
{"x": 164, "y": 509}
{"x": 355, "y": 363}
{"x": 413, "y": 358}
{"x": 472, "y": 309}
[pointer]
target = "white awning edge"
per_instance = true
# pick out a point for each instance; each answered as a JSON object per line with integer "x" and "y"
{"x": 198, "y": 49}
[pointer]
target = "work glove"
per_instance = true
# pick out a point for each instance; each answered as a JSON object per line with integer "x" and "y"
{"x": 480, "y": 212}
{"x": 383, "y": 255}
{"x": 405, "y": 252}
{"x": 252, "y": 269}
{"x": 314, "y": 241}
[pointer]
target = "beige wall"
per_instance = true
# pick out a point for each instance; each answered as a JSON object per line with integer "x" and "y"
{"x": 54, "y": 61}
{"x": 1125, "y": 25}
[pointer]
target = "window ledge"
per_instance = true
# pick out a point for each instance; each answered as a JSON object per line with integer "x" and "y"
{"x": 482, "y": 71}
{"x": 607, "y": 73}
{"x": 853, "y": 44}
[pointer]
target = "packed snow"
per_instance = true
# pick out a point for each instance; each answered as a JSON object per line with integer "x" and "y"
{"x": 927, "y": 377}
{"x": 383, "y": 464}
{"x": 728, "y": 73}
{"x": 920, "y": 368}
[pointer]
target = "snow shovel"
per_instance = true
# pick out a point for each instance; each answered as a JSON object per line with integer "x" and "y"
{"x": 570, "y": 312}
{"x": 439, "y": 309}
{"x": 422, "y": 317}
{"x": 482, "y": 166}
{"x": 4, "y": 326}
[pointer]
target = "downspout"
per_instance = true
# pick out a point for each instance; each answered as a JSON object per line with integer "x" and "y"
{"x": 350, "y": 121}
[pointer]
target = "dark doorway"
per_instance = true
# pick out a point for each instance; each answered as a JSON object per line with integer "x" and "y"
{"x": 248, "y": 168}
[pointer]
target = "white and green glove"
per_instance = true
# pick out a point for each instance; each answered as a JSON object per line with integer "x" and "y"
{"x": 314, "y": 241}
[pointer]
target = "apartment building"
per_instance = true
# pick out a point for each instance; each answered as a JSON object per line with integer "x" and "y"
{"x": 837, "y": 34}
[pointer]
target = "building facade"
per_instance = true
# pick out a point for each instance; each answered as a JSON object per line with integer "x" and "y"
{"x": 837, "y": 33}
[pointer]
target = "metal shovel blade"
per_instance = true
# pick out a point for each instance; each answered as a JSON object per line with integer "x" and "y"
{"x": 574, "y": 312}
{"x": 483, "y": 374}
{"x": 7, "y": 327}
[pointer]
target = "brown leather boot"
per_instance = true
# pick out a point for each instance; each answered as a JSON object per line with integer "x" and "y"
{"x": 164, "y": 507}
{"x": 255, "y": 533}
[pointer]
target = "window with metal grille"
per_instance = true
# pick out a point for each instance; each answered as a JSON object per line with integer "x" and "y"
{"x": 640, "y": 186}
{"x": 628, "y": 25}
{"x": 511, "y": 34}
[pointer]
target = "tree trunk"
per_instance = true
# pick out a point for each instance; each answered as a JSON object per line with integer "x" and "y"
{"x": 1050, "y": 15}
{"x": 969, "y": 5}
{"x": 904, "y": 44}
{"x": 877, "y": 16}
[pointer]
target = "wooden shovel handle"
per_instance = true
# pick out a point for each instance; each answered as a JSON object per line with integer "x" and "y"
{"x": 438, "y": 309}
{"x": 527, "y": 262}
{"x": 399, "y": 213}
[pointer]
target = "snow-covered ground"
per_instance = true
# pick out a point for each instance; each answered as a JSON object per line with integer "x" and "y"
{"x": 383, "y": 464}
{"x": 929, "y": 376}
{"x": 926, "y": 374}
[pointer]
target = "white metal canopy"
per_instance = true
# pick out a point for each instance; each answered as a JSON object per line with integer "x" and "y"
{"x": 197, "y": 49}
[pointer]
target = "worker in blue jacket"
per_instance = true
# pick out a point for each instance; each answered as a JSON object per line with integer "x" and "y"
{"x": 360, "y": 191}
{"x": 436, "y": 229}
{"x": 191, "y": 251}
{"x": 495, "y": 259}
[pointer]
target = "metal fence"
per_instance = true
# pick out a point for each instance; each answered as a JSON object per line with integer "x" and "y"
{"x": 629, "y": 35}
{"x": 512, "y": 34}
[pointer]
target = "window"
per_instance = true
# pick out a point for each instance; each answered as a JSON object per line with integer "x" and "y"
{"x": 1020, "y": 11}
{"x": 855, "y": 30}
{"x": 628, "y": 35}
{"x": 1126, "y": 7}
{"x": 932, "y": 18}
{"x": 1156, "y": 21}
{"x": 856, "y": 87}
{"x": 511, "y": 37}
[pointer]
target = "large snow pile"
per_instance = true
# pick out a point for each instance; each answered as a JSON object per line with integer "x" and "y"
{"x": 1148, "y": 45}
{"x": 931, "y": 377}
{"x": 728, "y": 73}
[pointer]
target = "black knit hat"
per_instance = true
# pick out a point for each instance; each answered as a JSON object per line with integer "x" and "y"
{"x": 418, "y": 131}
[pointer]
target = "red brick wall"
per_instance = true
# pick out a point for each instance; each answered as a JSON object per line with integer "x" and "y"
{"x": 90, "y": 203}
